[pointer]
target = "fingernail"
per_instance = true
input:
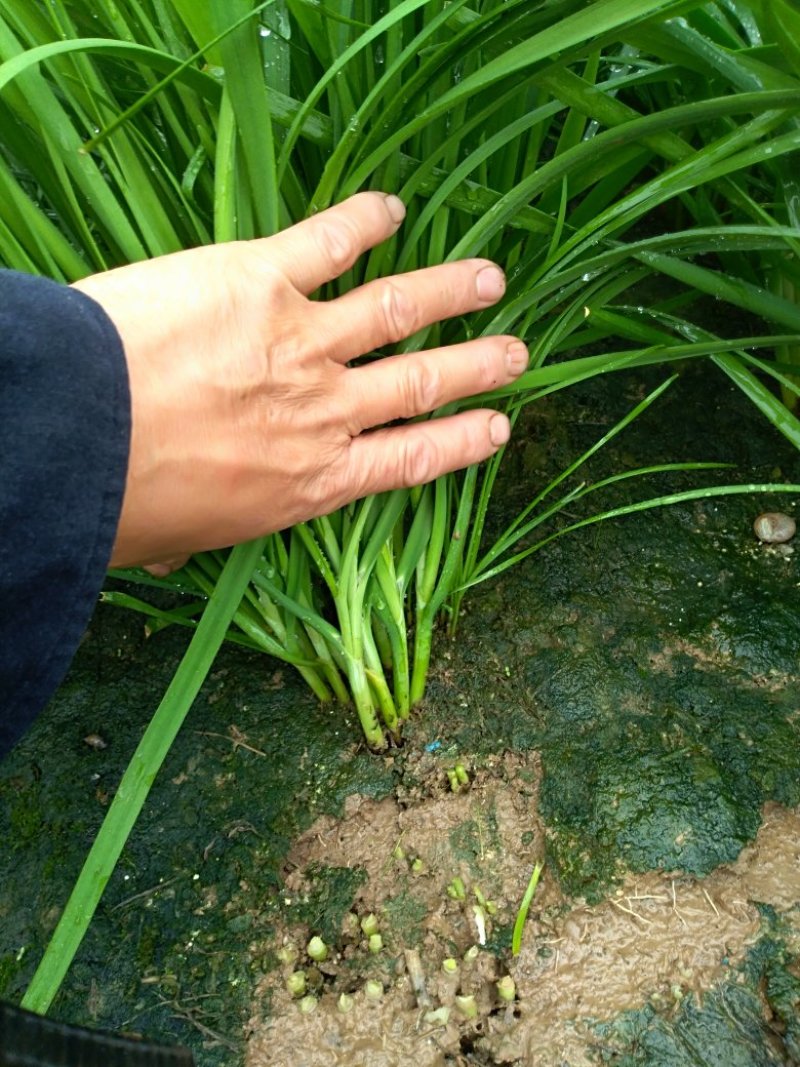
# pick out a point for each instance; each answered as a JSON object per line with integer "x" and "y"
{"x": 159, "y": 570}
{"x": 490, "y": 283}
{"x": 499, "y": 430}
{"x": 395, "y": 207}
{"x": 517, "y": 357}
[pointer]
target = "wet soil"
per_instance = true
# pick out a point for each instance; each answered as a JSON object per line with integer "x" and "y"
{"x": 659, "y": 939}
{"x": 627, "y": 706}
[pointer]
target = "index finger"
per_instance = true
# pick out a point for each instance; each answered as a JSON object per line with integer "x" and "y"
{"x": 324, "y": 246}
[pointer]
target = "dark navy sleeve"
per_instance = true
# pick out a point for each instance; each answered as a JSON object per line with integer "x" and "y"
{"x": 65, "y": 419}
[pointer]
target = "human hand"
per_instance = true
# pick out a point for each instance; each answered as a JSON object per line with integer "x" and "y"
{"x": 246, "y": 417}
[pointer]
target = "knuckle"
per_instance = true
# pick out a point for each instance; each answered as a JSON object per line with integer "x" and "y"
{"x": 339, "y": 242}
{"x": 313, "y": 489}
{"x": 491, "y": 366}
{"x": 249, "y": 261}
{"x": 421, "y": 385}
{"x": 340, "y": 482}
{"x": 397, "y": 312}
{"x": 417, "y": 461}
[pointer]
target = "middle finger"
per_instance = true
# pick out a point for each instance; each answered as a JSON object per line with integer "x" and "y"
{"x": 387, "y": 310}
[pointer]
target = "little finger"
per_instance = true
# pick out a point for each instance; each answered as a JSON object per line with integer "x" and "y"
{"x": 403, "y": 456}
{"x": 166, "y": 567}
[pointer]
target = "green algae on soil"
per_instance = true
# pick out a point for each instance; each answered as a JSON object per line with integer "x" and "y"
{"x": 652, "y": 661}
{"x": 728, "y": 1026}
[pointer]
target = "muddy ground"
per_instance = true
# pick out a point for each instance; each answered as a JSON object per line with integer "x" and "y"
{"x": 659, "y": 940}
{"x": 627, "y": 707}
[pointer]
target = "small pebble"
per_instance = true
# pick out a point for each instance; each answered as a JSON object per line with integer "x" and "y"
{"x": 774, "y": 528}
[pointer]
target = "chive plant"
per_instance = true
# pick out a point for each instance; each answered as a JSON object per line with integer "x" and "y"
{"x": 599, "y": 151}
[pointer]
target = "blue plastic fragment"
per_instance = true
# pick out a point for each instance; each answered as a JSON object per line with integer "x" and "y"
{"x": 433, "y": 746}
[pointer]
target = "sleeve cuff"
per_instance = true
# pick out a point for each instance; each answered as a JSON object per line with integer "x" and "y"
{"x": 65, "y": 424}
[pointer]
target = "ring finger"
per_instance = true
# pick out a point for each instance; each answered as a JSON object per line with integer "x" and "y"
{"x": 401, "y": 387}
